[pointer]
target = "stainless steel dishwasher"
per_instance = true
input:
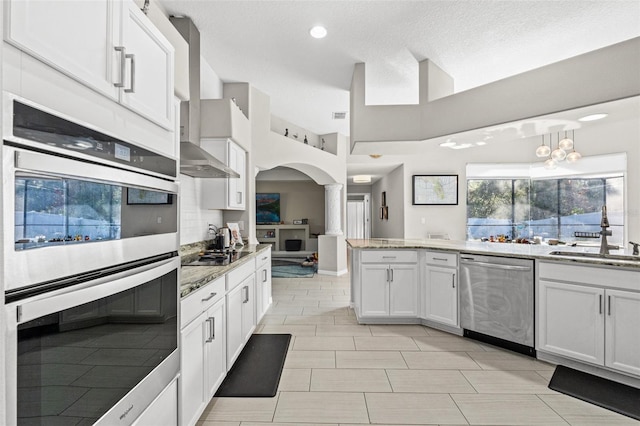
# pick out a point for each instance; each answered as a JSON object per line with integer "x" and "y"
{"x": 497, "y": 301}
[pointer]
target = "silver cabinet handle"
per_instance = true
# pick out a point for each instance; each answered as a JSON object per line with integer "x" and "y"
{"x": 600, "y": 303}
{"x": 239, "y": 197}
{"x": 387, "y": 270}
{"x": 388, "y": 257}
{"x": 264, "y": 279}
{"x": 211, "y": 296}
{"x": 439, "y": 259}
{"x": 132, "y": 87}
{"x": 391, "y": 280}
{"x": 609, "y": 304}
{"x": 123, "y": 52}
{"x": 211, "y": 332}
{"x": 453, "y": 280}
{"x": 246, "y": 297}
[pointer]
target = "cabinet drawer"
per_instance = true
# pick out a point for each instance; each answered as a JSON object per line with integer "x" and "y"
{"x": 439, "y": 258}
{"x": 262, "y": 258}
{"x": 201, "y": 300}
{"x": 237, "y": 275}
{"x": 389, "y": 256}
{"x": 600, "y": 276}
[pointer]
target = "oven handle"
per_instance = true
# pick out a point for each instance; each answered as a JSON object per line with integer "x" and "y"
{"x": 68, "y": 297}
{"x": 59, "y": 167}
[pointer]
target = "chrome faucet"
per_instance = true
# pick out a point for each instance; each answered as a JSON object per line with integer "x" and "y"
{"x": 604, "y": 224}
{"x": 636, "y": 252}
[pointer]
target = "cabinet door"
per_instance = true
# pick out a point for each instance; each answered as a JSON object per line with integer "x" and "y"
{"x": 403, "y": 290}
{"x": 248, "y": 307}
{"x": 234, "y": 324}
{"x": 215, "y": 348}
{"x": 440, "y": 297}
{"x": 263, "y": 290}
{"x": 374, "y": 291}
{"x": 148, "y": 77}
{"x": 75, "y": 37}
{"x": 192, "y": 364}
{"x": 571, "y": 321}
{"x": 237, "y": 161}
{"x": 623, "y": 335}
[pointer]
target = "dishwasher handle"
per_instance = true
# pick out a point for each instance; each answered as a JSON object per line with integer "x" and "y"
{"x": 495, "y": 265}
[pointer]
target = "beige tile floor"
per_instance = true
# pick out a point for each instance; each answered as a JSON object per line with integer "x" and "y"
{"x": 340, "y": 373}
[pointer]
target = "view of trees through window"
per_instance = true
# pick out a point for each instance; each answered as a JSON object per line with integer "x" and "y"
{"x": 66, "y": 210}
{"x": 549, "y": 208}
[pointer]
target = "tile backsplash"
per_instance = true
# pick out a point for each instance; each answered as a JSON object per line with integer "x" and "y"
{"x": 194, "y": 219}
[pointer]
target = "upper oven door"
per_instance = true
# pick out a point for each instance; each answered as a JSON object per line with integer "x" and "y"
{"x": 71, "y": 217}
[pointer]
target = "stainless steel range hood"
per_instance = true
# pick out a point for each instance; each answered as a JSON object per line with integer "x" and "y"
{"x": 195, "y": 161}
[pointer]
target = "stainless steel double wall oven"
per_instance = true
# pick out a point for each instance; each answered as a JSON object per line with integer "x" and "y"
{"x": 91, "y": 272}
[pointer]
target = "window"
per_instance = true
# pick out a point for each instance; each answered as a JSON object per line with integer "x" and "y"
{"x": 550, "y": 208}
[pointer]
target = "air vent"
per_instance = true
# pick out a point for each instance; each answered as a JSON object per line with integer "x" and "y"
{"x": 339, "y": 115}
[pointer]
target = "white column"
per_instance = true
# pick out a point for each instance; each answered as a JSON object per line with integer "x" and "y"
{"x": 333, "y": 222}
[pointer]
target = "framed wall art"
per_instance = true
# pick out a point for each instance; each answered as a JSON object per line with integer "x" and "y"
{"x": 429, "y": 190}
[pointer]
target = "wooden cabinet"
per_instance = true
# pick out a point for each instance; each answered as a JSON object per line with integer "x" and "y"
{"x": 590, "y": 314}
{"x": 225, "y": 193}
{"x": 263, "y": 283}
{"x": 107, "y": 45}
{"x": 388, "y": 284}
{"x": 440, "y": 288}
{"x": 202, "y": 345}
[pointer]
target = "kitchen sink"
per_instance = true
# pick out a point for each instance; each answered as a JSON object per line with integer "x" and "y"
{"x": 596, "y": 255}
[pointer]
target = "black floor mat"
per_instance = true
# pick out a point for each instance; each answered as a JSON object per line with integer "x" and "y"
{"x": 256, "y": 372}
{"x": 606, "y": 393}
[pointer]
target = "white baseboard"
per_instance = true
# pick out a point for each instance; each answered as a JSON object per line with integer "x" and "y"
{"x": 333, "y": 273}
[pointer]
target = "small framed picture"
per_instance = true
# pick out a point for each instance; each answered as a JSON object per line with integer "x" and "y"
{"x": 431, "y": 190}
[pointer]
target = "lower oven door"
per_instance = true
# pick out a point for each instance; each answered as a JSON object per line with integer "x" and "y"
{"x": 95, "y": 352}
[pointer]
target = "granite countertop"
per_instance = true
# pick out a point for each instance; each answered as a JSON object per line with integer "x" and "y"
{"x": 527, "y": 251}
{"x": 194, "y": 277}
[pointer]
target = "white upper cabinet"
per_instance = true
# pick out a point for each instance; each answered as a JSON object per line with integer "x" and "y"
{"x": 107, "y": 45}
{"x": 149, "y": 80}
{"x": 75, "y": 37}
{"x": 225, "y": 193}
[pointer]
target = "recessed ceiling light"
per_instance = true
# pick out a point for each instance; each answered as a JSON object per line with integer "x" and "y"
{"x": 318, "y": 31}
{"x": 361, "y": 179}
{"x": 592, "y": 117}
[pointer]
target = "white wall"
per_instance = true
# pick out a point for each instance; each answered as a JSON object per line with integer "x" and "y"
{"x": 210, "y": 83}
{"x": 194, "y": 219}
{"x": 298, "y": 200}
{"x": 394, "y": 227}
{"x": 620, "y": 136}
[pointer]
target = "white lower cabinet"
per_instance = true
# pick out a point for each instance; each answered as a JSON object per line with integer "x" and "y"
{"x": 241, "y": 317}
{"x": 263, "y": 283}
{"x": 622, "y": 343}
{"x": 589, "y": 322}
{"x": 202, "y": 346}
{"x": 389, "y": 289}
{"x": 440, "y": 288}
{"x": 571, "y": 321}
